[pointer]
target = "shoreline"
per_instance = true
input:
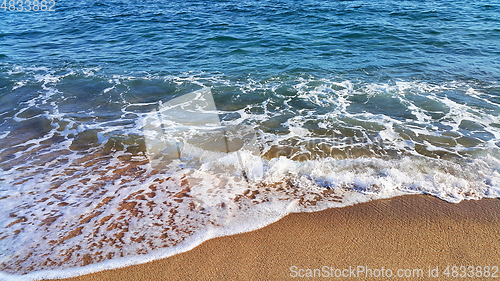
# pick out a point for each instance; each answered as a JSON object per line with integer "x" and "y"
{"x": 416, "y": 232}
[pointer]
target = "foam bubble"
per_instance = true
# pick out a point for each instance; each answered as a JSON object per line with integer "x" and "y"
{"x": 85, "y": 191}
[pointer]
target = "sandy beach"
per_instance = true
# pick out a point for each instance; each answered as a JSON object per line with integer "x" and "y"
{"x": 134, "y": 133}
{"x": 411, "y": 236}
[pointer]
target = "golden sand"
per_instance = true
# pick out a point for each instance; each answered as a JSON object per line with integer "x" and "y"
{"x": 412, "y": 232}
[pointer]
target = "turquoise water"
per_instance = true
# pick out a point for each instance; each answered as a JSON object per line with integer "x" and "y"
{"x": 345, "y": 102}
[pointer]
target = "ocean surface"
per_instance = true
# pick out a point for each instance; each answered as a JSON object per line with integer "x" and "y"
{"x": 134, "y": 130}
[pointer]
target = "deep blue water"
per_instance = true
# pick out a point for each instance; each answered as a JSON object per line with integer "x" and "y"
{"x": 361, "y": 99}
{"x": 373, "y": 40}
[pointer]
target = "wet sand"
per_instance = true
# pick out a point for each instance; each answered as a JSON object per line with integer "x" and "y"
{"x": 414, "y": 232}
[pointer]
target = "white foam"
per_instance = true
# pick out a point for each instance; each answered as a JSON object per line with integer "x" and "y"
{"x": 4, "y": 134}
{"x": 208, "y": 193}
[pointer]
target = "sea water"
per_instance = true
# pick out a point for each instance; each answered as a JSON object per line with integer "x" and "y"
{"x": 131, "y": 131}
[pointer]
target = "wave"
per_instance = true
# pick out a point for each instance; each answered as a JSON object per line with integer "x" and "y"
{"x": 102, "y": 171}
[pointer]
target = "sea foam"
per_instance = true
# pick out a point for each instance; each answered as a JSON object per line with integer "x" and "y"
{"x": 89, "y": 191}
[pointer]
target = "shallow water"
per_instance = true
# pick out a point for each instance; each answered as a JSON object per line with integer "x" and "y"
{"x": 131, "y": 131}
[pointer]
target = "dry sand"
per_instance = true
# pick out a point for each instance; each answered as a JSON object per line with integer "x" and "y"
{"x": 409, "y": 232}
